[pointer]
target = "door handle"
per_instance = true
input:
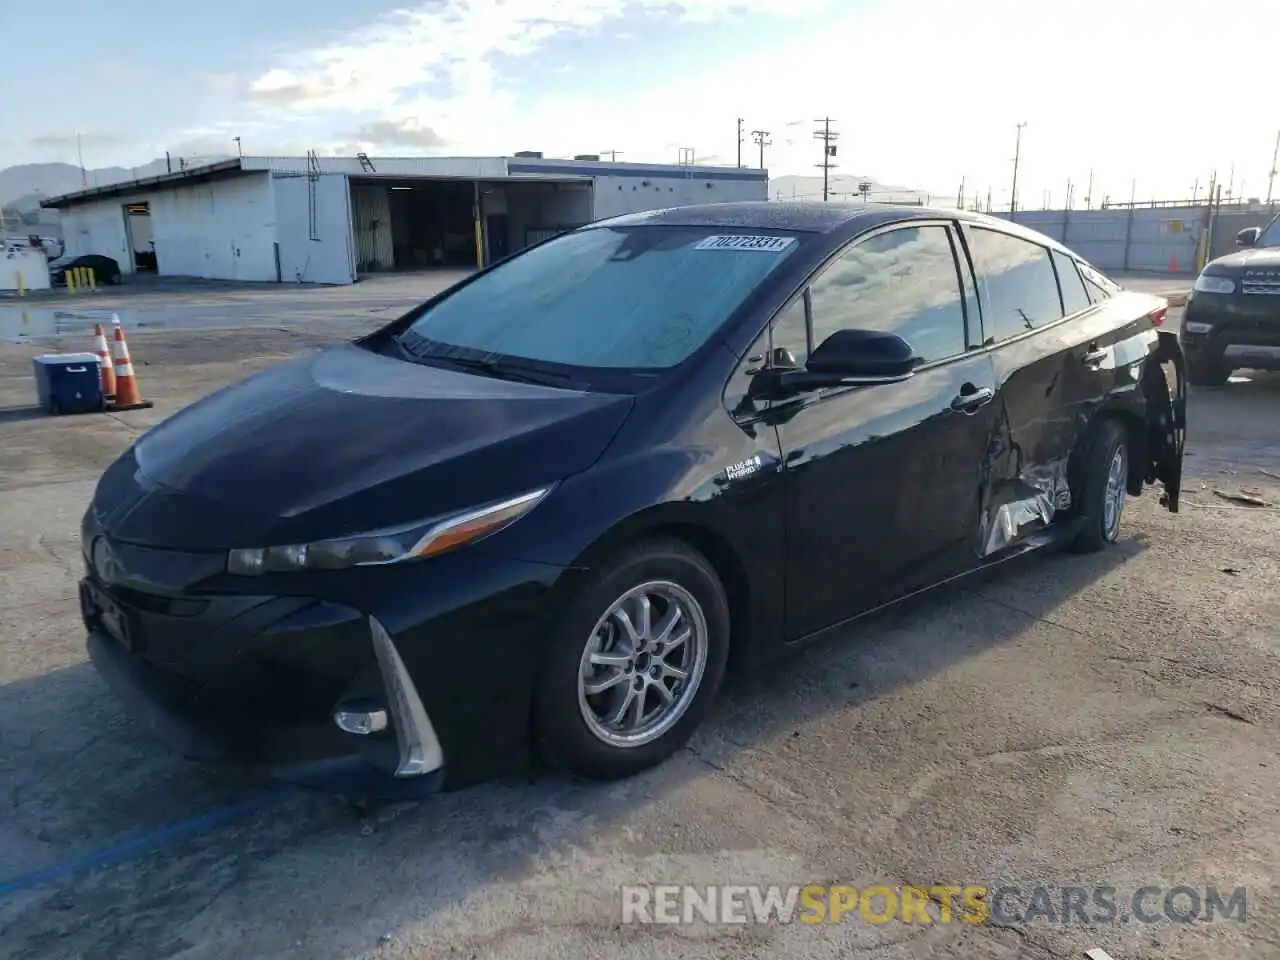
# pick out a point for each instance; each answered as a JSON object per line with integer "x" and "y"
{"x": 1093, "y": 357}
{"x": 970, "y": 400}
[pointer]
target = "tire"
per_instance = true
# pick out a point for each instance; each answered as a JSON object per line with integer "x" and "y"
{"x": 669, "y": 572}
{"x": 1207, "y": 373}
{"x": 1092, "y": 485}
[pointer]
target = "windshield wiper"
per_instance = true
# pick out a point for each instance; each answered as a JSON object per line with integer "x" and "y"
{"x": 502, "y": 370}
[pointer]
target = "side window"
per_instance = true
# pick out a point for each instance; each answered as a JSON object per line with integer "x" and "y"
{"x": 1074, "y": 295}
{"x": 1017, "y": 284}
{"x": 1098, "y": 286}
{"x": 788, "y": 338}
{"x": 902, "y": 281}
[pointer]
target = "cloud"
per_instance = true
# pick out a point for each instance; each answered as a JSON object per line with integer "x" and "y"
{"x": 390, "y": 133}
{"x": 69, "y": 141}
{"x": 447, "y": 60}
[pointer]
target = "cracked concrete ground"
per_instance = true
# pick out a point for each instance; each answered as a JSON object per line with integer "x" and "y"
{"x": 1102, "y": 720}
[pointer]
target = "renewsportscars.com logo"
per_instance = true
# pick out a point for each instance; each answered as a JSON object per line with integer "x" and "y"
{"x": 936, "y": 903}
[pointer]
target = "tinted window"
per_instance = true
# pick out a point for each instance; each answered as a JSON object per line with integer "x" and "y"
{"x": 1018, "y": 287}
{"x": 788, "y": 333}
{"x": 1074, "y": 295}
{"x": 903, "y": 281}
{"x": 610, "y": 297}
{"x": 1098, "y": 286}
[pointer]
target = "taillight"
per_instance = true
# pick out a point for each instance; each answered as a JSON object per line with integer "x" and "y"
{"x": 1157, "y": 316}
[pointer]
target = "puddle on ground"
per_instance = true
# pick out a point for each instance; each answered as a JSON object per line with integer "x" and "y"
{"x": 36, "y": 324}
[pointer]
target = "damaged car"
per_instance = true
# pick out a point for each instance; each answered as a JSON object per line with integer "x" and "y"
{"x": 540, "y": 514}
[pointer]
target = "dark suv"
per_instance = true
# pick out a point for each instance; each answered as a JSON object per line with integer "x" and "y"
{"x": 1232, "y": 318}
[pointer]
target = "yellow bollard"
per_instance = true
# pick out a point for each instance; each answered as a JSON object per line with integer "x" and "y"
{"x": 22, "y": 287}
{"x": 71, "y": 280}
{"x": 92, "y": 279}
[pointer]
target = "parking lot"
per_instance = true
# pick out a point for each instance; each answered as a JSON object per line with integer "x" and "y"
{"x": 1105, "y": 720}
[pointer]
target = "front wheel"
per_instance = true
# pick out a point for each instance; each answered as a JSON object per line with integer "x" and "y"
{"x": 1099, "y": 485}
{"x": 636, "y": 663}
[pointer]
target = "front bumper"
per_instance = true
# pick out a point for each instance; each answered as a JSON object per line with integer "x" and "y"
{"x": 255, "y": 681}
{"x": 1239, "y": 330}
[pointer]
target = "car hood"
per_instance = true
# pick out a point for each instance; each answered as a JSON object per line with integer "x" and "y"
{"x": 342, "y": 442}
{"x": 1234, "y": 264}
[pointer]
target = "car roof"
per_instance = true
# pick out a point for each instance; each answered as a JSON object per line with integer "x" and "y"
{"x": 843, "y": 218}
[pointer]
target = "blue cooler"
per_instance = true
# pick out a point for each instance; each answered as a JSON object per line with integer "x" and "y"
{"x": 68, "y": 382}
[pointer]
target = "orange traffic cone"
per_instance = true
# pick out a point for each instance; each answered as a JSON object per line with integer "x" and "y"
{"x": 128, "y": 396}
{"x": 106, "y": 371}
{"x": 1173, "y": 264}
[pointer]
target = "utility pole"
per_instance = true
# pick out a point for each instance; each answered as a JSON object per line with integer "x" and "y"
{"x": 1271, "y": 177}
{"x": 613, "y": 155}
{"x": 960, "y": 195}
{"x": 828, "y": 138}
{"x": 761, "y": 139}
{"x": 988, "y": 199}
{"x": 84, "y": 174}
{"x": 740, "y": 121}
{"x": 1017, "y": 156}
{"x": 1088, "y": 194}
{"x": 239, "y": 150}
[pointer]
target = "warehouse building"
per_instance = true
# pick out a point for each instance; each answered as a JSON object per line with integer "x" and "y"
{"x": 333, "y": 219}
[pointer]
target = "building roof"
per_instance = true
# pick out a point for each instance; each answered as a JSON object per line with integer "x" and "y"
{"x": 460, "y": 168}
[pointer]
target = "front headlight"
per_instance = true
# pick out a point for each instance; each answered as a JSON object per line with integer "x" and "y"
{"x": 1210, "y": 284}
{"x": 392, "y": 545}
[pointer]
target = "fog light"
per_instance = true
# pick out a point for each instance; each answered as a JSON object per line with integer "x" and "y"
{"x": 360, "y": 719}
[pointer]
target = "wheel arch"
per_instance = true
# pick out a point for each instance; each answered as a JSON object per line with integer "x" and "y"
{"x": 682, "y": 522}
{"x": 1135, "y": 431}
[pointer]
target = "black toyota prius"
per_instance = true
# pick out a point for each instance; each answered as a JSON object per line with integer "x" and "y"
{"x": 540, "y": 513}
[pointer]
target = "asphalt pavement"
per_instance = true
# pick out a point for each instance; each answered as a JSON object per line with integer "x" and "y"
{"x": 1107, "y": 720}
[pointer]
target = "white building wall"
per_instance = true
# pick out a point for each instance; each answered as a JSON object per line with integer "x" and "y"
{"x": 329, "y": 257}
{"x": 98, "y": 227}
{"x": 631, "y": 194}
{"x": 221, "y": 230}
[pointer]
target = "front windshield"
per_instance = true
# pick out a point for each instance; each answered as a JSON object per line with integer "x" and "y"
{"x": 626, "y": 297}
{"x": 1270, "y": 236}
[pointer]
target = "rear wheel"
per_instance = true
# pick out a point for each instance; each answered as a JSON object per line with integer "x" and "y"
{"x": 1099, "y": 486}
{"x": 1207, "y": 373}
{"x": 636, "y": 663}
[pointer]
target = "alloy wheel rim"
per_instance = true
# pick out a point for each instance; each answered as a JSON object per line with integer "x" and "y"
{"x": 642, "y": 664}
{"x": 1113, "y": 496}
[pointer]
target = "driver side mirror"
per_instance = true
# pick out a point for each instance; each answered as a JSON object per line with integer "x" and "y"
{"x": 853, "y": 358}
{"x": 1248, "y": 237}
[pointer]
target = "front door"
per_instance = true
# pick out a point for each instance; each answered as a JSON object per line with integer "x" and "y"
{"x": 883, "y": 481}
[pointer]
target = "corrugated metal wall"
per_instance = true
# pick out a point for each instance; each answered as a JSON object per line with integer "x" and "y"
{"x": 1141, "y": 239}
{"x": 371, "y": 224}
{"x": 1163, "y": 239}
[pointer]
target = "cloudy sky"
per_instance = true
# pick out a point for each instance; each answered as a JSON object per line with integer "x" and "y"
{"x": 924, "y": 92}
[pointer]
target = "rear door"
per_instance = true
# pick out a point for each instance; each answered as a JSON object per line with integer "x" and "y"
{"x": 1041, "y": 373}
{"x": 883, "y": 481}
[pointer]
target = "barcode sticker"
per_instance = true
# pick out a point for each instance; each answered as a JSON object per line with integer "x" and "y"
{"x": 741, "y": 242}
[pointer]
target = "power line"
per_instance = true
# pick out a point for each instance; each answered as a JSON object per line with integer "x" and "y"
{"x": 828, "y": 138}
{"x": 761, "y": 139}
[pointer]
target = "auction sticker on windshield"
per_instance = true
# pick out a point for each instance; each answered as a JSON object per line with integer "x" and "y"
{"x": 740, "y": 242}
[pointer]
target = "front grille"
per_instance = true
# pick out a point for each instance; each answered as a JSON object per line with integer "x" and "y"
{"x": 1264, "y": 282}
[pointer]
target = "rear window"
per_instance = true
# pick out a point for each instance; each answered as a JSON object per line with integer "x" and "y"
{"x": 1098, "y": 286}
{"x": 1074, "y": 295}
{"x": 639, "y": 298}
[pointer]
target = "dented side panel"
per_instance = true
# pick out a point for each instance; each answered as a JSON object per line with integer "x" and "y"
{"x": 1052, "y": 385}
